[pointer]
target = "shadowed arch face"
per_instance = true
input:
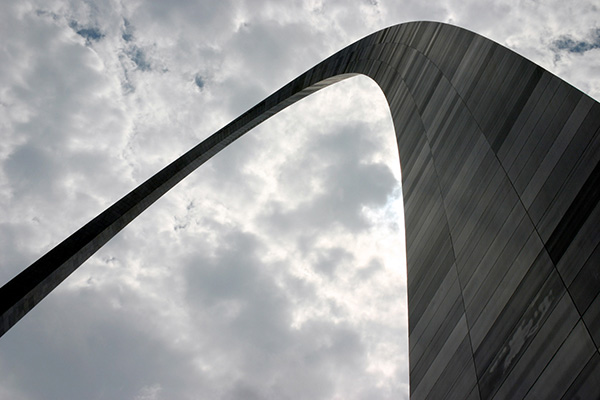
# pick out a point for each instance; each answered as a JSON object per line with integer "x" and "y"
{"x": 499, "y": 169}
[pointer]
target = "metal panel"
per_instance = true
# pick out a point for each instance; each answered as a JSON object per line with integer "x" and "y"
{"x": 565, "y": 366}
{"x": 543, "y": 347}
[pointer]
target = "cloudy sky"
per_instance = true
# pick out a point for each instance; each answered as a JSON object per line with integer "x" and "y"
{"x": 275, "y": 271}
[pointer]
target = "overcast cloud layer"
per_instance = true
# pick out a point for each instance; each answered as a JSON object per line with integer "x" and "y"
{"x": 275, "y": 271}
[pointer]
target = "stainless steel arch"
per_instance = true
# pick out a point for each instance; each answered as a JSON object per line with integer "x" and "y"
{"x": 501, "y": 182}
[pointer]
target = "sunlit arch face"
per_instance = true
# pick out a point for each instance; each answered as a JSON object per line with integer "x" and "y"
{"x": 485, "y": 139}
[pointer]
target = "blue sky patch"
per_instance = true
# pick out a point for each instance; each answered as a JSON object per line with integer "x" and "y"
{"x": 199, "y": 81}
{"x": 89, "y": 34}
{"x": 571, "y": 45}
{"x": 138, "y": 56}
{"x": 127, "y": 30}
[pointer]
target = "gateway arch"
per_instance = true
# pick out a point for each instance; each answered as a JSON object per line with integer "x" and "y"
{"x": 501, "y": 182}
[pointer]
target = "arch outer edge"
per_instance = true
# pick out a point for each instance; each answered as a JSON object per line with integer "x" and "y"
{"x": 501, "y": 175}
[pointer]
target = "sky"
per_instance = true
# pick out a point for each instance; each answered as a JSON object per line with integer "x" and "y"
{"x": 277, "y": 269}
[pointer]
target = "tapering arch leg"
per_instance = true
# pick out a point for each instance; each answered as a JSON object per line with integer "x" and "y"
{"x": 501, "y": 182}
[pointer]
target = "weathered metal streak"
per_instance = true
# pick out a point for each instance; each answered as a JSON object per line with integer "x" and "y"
{"x": 500, "y": 170}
